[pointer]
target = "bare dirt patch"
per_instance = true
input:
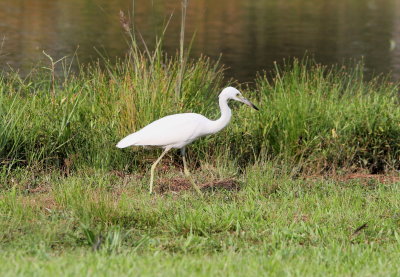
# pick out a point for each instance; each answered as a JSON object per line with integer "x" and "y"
{"x": 227, "y": 184}
{"x": 44, "y": 202}
{"x": 166, "y": 185}
{"x": 385, "y": 179}
{"x": 43, "y": 188}
{"x": 363, "y": 178}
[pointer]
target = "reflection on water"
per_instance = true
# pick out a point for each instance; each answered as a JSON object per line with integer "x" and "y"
{"x": 250, "y": 34}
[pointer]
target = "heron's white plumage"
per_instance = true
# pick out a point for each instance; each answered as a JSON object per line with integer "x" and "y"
{"x": 173, "y": 131}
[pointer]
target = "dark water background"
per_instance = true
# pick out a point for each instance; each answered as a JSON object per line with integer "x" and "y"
{"x": 250, "y": 34}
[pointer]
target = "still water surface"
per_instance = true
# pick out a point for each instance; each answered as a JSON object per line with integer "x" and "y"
{"x": 250, "y": 34}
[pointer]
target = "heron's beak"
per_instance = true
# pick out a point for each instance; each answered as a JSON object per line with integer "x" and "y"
{"x": 247, "y": 102}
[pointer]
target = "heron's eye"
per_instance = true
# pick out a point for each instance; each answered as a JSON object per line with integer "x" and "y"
{"x": 238, "y": 95}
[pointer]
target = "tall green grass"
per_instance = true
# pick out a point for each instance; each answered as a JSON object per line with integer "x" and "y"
{"x": 329, "y": 118}
{"x": 316, "y": 117}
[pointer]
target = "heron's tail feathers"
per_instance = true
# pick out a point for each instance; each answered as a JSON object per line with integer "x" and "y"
{"x": 127, "y": 141}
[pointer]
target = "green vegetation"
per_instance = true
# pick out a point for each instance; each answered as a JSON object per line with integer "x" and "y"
{"x": 318, "y": 118}
{"x": 105, "y": 224}
{"x": 71, "y": 203}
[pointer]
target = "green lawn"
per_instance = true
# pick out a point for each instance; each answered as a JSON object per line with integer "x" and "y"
{"x": 100, "y": 223}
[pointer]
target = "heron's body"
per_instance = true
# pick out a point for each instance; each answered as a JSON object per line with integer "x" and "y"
{"x": 179, "y": 130}
{"x": 174, "y": 131}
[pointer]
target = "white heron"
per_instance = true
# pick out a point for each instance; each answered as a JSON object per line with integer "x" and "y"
{"x": 179, "y": 130}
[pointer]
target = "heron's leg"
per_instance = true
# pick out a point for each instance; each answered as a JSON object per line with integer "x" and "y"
{"x": 154, "y": 166}
{"x": 187, "y": 173}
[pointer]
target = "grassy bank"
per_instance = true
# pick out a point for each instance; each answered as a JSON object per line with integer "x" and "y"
{"x": 316, "y": 118}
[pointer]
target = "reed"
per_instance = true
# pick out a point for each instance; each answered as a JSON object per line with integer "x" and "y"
{"x": 182, "y": 55}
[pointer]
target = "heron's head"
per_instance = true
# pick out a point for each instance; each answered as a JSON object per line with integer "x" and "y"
{"x": 232, "y": 93}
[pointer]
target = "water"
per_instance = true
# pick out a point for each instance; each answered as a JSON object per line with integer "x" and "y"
{"x": 250, "y": 34}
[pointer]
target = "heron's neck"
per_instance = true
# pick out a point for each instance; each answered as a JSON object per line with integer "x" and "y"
{"x": 226, "y": 114}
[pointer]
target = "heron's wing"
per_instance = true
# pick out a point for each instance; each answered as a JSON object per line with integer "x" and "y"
{"x": 170, "y": 130}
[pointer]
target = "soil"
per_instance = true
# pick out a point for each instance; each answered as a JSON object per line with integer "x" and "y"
{"x": 363, "y": 178}
{"x": 180, "y": 184}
